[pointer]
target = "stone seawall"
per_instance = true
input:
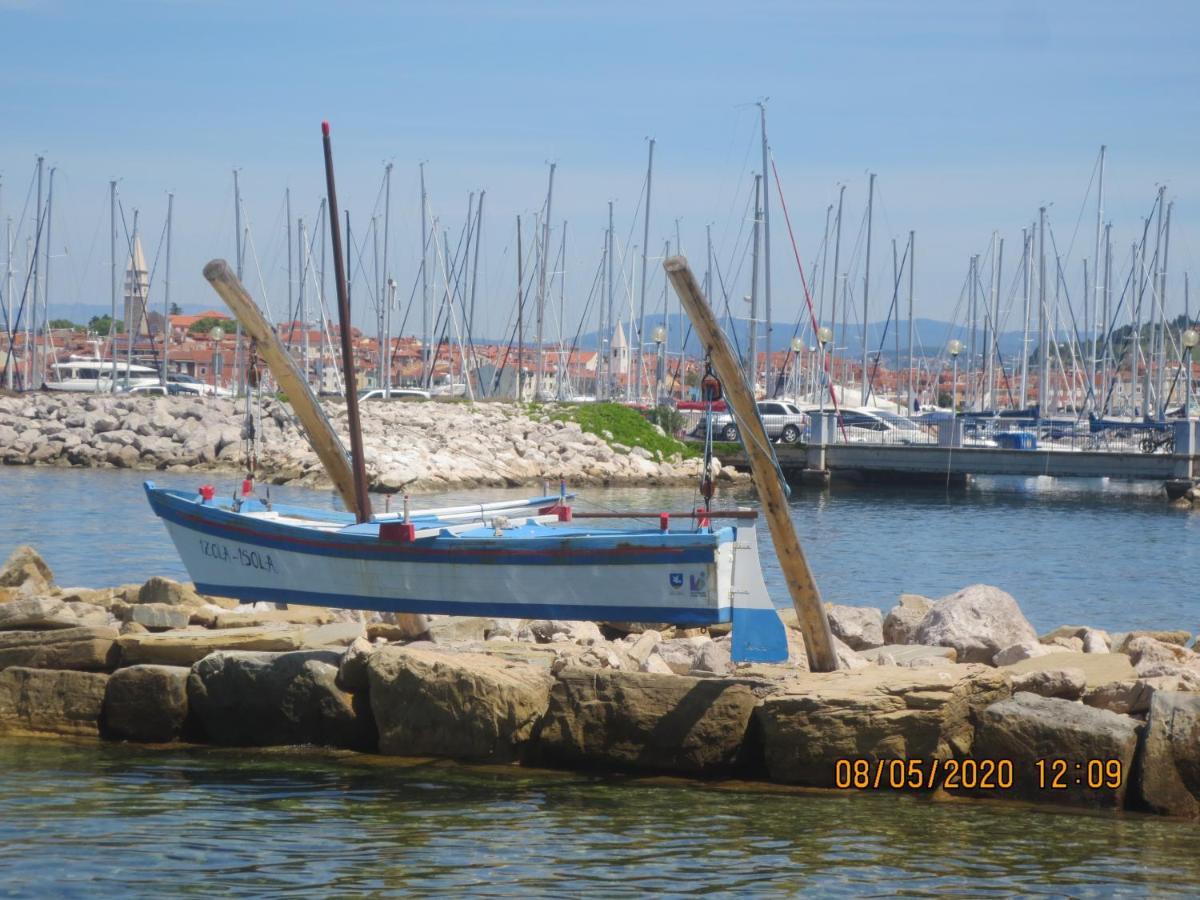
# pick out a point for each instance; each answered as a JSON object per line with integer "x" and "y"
{"x": 418, "y": 446}
{"x": 1077, "y": 716}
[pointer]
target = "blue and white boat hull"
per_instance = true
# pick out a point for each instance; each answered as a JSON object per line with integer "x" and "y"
{"x": 531, "y": 570}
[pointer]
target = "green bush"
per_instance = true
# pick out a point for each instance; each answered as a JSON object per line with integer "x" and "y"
{"x": 617, "y": 424}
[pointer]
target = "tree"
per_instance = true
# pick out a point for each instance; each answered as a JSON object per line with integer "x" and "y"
{"x": 103, "y": 324}
{"x": 63, "y": 323}
{"x": 205, "y": 325}
{"x": 176, "y": 310}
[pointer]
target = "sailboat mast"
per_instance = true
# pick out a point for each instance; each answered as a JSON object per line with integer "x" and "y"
{"x": 837, "y": 261}
{"x": 520, "y": 316}
{"x": 607, "y": 337}
{"x": 912, "y": 261}
{"x": 766, "y": 248}
{"x": 287, "y": 230}
{"x": 1162, "y": 300}
{"x": 385, "y": 351}
{"x": 1105, "y": 325}
{"x": 475, "y": 266}
{"x": 302, "y": 300}
{"x": 752, "y": 352}
{"x": 1096, "y": 264}
{"x": 362, "y": 502}
{"x": 1043, "y": 337}
{"x": 973, "y": 277}
{"x": 47, "y": 341}
{"x": 994, "y": 343}
{"x": 424, "y": 273}
{"x": 641, "y": 329}
{"x": 867, "y": 284}
{"x": 1023, "y": 399}
{"x": 166, "y": 329}
{"x": 1152, "y": 348}
{"x": 237, "y": 328}
{"x": 10, "y": 359}
{"x": 539, "y": 356}
{"x": 563, "y": 366}
{"x": 112, "y": 250}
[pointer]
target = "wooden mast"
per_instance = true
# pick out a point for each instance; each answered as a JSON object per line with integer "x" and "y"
{"x": 362, "y": 504}
{"x": 288, "y": 376}
{"x": 818, "y": 639}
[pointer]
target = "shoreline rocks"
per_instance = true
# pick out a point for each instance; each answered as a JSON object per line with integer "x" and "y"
{"x": 409, "y": 446}
{"x": 594, "y": 696}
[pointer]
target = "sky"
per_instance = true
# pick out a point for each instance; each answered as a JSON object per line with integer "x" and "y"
{"x": 971, "y": 115}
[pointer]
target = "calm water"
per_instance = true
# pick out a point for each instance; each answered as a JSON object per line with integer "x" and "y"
{"x": 85, "y": 819}
{"x": 89, "y": 820}
{"x": 1082, "y": 552}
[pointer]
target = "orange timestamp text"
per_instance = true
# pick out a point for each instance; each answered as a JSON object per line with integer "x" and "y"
{"x": 975, "y": 774}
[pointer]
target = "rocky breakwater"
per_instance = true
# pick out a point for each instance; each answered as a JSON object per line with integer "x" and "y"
{"x": 418, "y": 446}
{"x": 1075, "y": 716}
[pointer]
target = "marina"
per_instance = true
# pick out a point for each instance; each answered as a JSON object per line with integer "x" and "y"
{"x": 780, "y": 476}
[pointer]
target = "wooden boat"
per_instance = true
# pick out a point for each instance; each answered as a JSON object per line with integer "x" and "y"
{"x": 525, "y": 559}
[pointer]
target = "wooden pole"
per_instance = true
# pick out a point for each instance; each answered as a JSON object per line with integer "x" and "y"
{"x": 818, "y": 639}
{"x": 362, "y": 503}
{"x": 287, "y": 374}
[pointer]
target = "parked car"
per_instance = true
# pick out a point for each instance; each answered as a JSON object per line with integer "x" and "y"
{"x": 157, "y": 390}
{"x": 396, "y": 394}
{"x": 783, "y": 421}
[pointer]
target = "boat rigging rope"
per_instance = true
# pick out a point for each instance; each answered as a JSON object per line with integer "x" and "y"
{"x": 252, "y": 421}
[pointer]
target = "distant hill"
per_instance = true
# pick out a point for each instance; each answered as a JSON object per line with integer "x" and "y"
{"x": 930, "y": 337}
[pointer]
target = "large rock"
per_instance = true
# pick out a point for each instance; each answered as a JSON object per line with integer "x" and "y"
{"x": 85, "y": 648}
{"x": 1015, "y": 653}
{"x": 146, "y": 703}
{"x": 474, "y": 706}
{"x": 1168, "y": 775}
{"x": 561, "y": 629}
{"x": 183, "y": 648}
{"x": 293, "y": 615}
{"x": 875, "y": 713}
{"x": 637, "y": 720}
{"x": 1027, "y": 729}
{"x": 911, "y": 655}
{"x": 1097, "y": 668}
{"x": 1121, "y": 642}
{"x": 860, "y": 627}
{"x": 1066, "y": 684}
{"x": 158, "y": 616}
{"x": 36, "y": 612}
{"x": 903, "y": 618}
{"x": 977, "y": 621}
{"x": 50, "y": 701}
{"x": 163, "y": 590}
{"x": 26, "y": 572}
{"x": 1152, "y": 657}
{"x": 270, "y": 699}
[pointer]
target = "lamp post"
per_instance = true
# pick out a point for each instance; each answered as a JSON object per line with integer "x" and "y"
{"x": 216, "y": 334}
{"x": 797, "y": 346}
{"x": 660, "y": 342}
{"x": 824, "y": 336}
{"x": 1189, "y": 339}
{"x": 954, "y": 348}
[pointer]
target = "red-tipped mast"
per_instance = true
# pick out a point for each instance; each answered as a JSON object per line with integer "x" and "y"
{"x": 362, "y": 501}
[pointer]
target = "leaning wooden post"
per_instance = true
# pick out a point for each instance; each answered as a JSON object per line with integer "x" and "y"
{"x": 287, "y": 374}
{"x": 818, "y": 639}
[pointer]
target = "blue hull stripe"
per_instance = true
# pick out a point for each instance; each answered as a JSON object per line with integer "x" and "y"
{"x": 592, "y": 613}
{"x": 511, "y": 551}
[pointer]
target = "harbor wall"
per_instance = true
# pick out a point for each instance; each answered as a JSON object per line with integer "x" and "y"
{"x": 418, "y": 446}
{"x": 954, "y": 697}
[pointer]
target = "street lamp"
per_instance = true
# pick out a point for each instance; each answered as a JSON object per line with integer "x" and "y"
{"x": 797, "y": 346}
{"x": 1189, "y": 338}
{"x": 660, "y": 341}
{"x": 217, "y": 334}
{"x": 954, "y": 348}
{"x": 824, "y": 336}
